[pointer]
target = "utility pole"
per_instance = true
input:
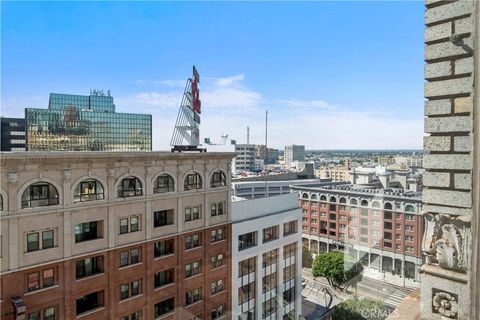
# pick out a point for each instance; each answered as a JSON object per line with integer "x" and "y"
{"x": 266, "y": 153}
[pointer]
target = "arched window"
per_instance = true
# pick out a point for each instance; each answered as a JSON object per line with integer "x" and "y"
{"x": 193, "y": 181}
{"x": 218, "y": 179}
{"x": 39, "y": 194}
{"x": 343, "y": 200}
{"x": 353, "y": 202}
{"x": 364, "y": 203}
{"x": 314, "y": 197}
{"x": 88, "y": 190}
{"x": 164, "y": 183}
{"x": 387, "y": 206}
{"x": 323, "y": 198}
{"x": 333, "y": 199}
{"x": 376, "y": 204}
{"x": 1, "y": 203}
{"x": 129, "y": 187}
{"x": 305, "y": 196}
{"x": 409, "y": 208}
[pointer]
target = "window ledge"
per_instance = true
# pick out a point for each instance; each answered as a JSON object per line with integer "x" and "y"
{"x": 40, "y": 250}
{"x": 164, "y": 256}
{"x": 41, "y": 290}
{"x": 90, "y": 240}
{"x": 219, "y": 267}
{"x": 191, "y": 277}
{"x": 191, "y": 249}
{"x": 165, "y": 315}
{"x": 81, "y": 315}
{"x": 130, "y": 265}
{"x": 219, "y": 241}
{"x": 218, "y": 293}
{"x": 131, "y": 298}
{"x": 91, "y": 276}
{"x": 164, "y": 286}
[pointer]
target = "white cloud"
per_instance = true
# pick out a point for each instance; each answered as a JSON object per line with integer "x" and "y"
{"x": 228, "y": 81}
{"x": 319, "y": 104}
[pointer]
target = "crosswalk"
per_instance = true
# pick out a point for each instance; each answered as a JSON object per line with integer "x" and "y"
{"x": 397, "y": 296}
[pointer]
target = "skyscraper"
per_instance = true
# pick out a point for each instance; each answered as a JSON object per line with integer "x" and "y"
{"x": 293, "y": 153}
{"x": 86, "y": 123}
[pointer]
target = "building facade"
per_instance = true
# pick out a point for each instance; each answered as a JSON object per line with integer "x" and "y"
{"x": 382, "y": 228}
{"x": 245, "y": 159}
{"x": 12, "y": 134}
{"x": 266, "y": 259}
{"x": 86, "y": 123}
{"x": 293, "y": 153}
{"x": 109, "y": 235}
{"x": 260, "y": 189}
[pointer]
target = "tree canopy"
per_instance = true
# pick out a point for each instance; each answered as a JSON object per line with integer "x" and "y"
{"x": 360, "y": 309}
{"x": 339, "y": 269}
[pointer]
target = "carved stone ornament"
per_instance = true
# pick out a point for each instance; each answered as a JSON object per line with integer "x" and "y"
{"x": 445, "y": 303}
{"x": 445, "y": 241}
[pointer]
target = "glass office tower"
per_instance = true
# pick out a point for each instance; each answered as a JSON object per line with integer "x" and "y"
{"x": 82, "y": 123}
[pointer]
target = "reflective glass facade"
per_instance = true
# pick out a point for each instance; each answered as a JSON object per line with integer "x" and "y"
{"x": 82, "y": 123}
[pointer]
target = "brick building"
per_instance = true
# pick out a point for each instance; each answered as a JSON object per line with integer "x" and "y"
{"x": 106, "y": 235}
{"x": 382, "y": 228}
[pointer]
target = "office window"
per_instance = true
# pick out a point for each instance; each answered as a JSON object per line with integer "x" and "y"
{"x": 192, "y": 269}
{"x": 193, "y": 181}
{"x": 217, "y": 209}
{"x": 217, "y": 286}
{"x": 88, "y": 190}
{"x": 246, "y": 266}
{"x": 163, "y": 278}
{"x": 192, "y": 213}
{"x": 246, "y": 293}
{"x": 193, "y": 241}
{"x": 193, "y": 296}
{"x": 290, "y": 250}
{"x": 409, "y": 238}
{"x": 269, "y": 258}
{"x": 163, "y": 307}
{"x": 409, "y": 217}
{"x": 289, "y": 273}
{"x": 269, "y": 307}
{"x": 33, "y": 241}
{"x": 129, "y": 257}
{"x": 45, "y": 314}
{"x": 164, "y": 248}
{"x": 270, "y": 233}
{"x": 88, "y": 231}
{"x": 90, "y": 302}
{"x": 218, "y": 312}
{"x": 247, "y": 240}
{"x": 163, "y": 218}
{"x": 40, "y": 194}
{"x": 164, "y": 183}
{"x": 217, "y": 235}
{"x": 130, "y": 224}
{"x": 269, "y": 282}
{"x": 89, "y": 266}
{"x": 41, "y": 279}
{"x": 217, "y": 260}
{"x": 131, "y": 289}
{"x": 409, "y": 228}
{"x": 129, "y": 187}
{"x": 133, "y": 316}
{"x": 218, "y": 179}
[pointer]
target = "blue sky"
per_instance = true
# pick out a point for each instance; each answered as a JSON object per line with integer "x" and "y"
{"x": 333, "y": 75}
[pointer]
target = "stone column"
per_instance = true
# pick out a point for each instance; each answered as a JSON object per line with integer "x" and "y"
{"x": 448, "y": 159}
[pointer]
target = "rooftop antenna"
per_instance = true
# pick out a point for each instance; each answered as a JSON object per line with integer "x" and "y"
{"x": 248, "y": 135}
{"x": 186, "y": 135}
{"x": 224, "y": 138}
{"x": 266, "y": 153}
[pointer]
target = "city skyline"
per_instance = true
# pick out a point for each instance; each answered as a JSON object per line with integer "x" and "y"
{"x": 48, "y": 48}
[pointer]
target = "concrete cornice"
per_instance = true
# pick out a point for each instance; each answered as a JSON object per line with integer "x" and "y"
{"x": 19, "y": 157}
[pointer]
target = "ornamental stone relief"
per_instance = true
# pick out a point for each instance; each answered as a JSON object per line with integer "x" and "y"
{"x": 445, "y": 241}
{"x": 445, "y": 304}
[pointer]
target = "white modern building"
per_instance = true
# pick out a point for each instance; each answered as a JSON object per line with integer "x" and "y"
{"x": 266, "y": 258}
{"x": 245, "y": 160}
{"x": 294, "y": 152}
{"x": 260, "y": 189}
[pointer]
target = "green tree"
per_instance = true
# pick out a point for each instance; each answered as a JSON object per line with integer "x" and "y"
{"x": 359, "y": 309}
{"x": 306, "y": 257}
{"x": 339, "y": 269}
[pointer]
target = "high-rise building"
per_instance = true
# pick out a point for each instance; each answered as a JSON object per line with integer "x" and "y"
{"x": 266, "y": 258}
{"x": 86, "y": 123}
{"x": 12, "y": 134}
{"x": 115, "y": 235}
{"x": 293, "y": 153}
{"x": 381, "y": 227}
{"x": 245, "y": 160}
